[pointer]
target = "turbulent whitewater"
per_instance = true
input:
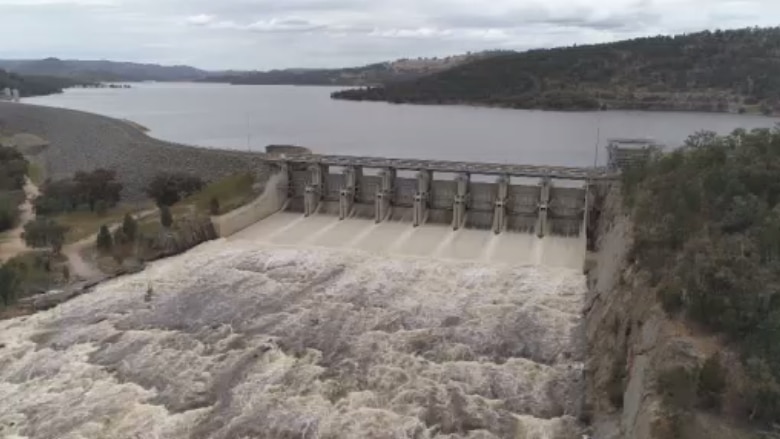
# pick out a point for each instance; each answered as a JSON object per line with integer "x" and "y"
{"x": 273, "y": 334}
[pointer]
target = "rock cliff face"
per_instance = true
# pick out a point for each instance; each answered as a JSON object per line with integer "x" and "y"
{"x": 631, "y": 340}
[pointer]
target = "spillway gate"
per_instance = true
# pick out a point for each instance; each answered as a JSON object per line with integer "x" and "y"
{"x": 536, "y": 199}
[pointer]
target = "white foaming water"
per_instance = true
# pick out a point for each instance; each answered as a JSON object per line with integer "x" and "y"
{"x": 431, "y": 240}
{"x": 290, "y": 330}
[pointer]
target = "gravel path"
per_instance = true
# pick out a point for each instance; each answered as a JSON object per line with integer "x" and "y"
{"x": 11, "y": 242}
{"x": 83, "y": 141}
{"x": 87, "y": 269}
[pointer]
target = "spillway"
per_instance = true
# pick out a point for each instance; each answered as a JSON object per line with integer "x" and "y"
{"x": 313, "y": 326}
{"x": 431, "y": 241}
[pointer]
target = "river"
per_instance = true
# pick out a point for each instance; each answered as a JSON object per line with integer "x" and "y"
{"x": 241, "y": 117}
{"x": 264, "y": 335}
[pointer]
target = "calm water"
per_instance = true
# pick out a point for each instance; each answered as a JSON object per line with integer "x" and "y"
{"x": 227, "y": 116}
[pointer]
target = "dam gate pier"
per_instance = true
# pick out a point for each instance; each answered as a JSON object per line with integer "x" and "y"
{"x": 543, "y": 200}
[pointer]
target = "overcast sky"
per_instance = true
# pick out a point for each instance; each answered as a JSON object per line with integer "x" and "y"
{"x": 264, "y": 34}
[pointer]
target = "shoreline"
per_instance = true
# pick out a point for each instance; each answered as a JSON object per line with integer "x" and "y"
{"x": 550, "y": 110}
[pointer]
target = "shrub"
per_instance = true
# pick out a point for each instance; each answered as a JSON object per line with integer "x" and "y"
{"x": 104, "y": 240}
{"x": 13, "y": 169}
{"x": 166, "y": 219}
{"x": 166, "y": 189}
{"x": 9, "y": 212}
{"x": 712, "y": 382}
{"x": 678, "y": 387}
{"x": 130, "y": 227}
{"x": 671, "y": 300}
{"x": 120, "y": 238}
{"x": 616, "y": 386}
{"x": 9, "y": 285}
{"x": 43, "y": 232}
{"x": 763, "y": 392}
{"x": 214, "y": 206}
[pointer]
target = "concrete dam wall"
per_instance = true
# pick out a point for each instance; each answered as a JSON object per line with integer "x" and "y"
{"x": 520, "y": 198}
{"x": 470, "y": 211}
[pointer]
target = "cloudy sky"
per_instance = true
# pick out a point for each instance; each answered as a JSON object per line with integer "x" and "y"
{"x": 264, "y": 34}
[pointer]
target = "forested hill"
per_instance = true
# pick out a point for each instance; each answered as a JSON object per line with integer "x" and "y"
{"x": 34, "y": 85}
{"x": 736, "y": 71}
{"x": 101, "y": 70}
{"x": 372, "y": 74}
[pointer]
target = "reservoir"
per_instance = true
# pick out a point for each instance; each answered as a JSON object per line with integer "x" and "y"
{"x": 251, "y": 117}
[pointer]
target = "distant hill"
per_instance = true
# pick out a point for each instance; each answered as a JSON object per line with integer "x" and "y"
{"x": 373, "y": 74}
{"x": 34, "y": 85}
{"x": 737, "y": 71}
{"x": 102, "y": 71}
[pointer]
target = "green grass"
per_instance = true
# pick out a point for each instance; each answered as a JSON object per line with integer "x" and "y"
{"x": 83, "y": 224}
{"x": 232, "y": 192}
{"x": 36, "y": 173}
{"x": 151, "y": 226}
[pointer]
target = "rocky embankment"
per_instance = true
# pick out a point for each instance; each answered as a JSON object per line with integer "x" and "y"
{"x": 82, "y": 141}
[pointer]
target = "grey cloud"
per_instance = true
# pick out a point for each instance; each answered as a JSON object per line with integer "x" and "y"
{"x": 535, "y": 15}
{"x": 272, "y": 25}
{"x": 267, "y": 34}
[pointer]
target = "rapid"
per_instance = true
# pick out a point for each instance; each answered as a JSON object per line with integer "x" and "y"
{"x": 313, "y": 328}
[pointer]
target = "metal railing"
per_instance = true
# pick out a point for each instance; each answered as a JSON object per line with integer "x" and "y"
{"x": 557, "y": 172}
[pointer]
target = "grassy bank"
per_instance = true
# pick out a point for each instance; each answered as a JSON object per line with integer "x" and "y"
{"x": 230, "y": 193}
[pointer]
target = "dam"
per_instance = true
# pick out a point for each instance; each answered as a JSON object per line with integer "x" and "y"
{"x": 518, "y": 214}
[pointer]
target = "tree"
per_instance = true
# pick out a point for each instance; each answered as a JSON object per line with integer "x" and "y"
{"x": 44, "y": 232}
{"x": 9, "y": 285}
{"x": 98, "y": 185}
{"x": 98, "y": 189}
{"x": 167, "y": 189}
{"x": 130, "y": 227}
{"x": 13, "y": 169}
{"x": 120, "y": 239}
{"x": 59, "y": 196}
{"x": 9, "y": 212}
{"x": 712, "y": 382}
{"x": 104, "y": 240}
{"x": 166, "y": 219}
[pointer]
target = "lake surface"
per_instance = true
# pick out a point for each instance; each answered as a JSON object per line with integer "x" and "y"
{"x": 241, "y": 117}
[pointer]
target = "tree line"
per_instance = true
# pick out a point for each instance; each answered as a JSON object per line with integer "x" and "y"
{"x": 710, "y": 71}
{"x": 33, "y": 85}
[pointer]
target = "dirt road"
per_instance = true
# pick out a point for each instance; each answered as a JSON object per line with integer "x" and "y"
{"x": 11, "y": 242}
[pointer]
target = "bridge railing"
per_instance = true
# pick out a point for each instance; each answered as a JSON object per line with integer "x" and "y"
{"x": 498, "y": 169}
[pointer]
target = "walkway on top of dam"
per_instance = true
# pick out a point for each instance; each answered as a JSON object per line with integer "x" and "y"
{"x": 557, "y": 172}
